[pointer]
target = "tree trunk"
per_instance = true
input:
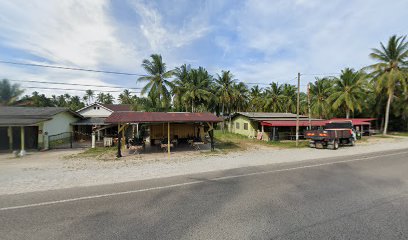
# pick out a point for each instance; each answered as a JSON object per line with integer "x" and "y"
{"x": 192, "y": 106}
{"x": 223, "y": 119}
{"x": 387, "y": 112}
{"x": 347, "y": 113}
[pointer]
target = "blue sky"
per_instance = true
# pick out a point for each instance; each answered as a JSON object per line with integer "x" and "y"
{"x": 258, "y": 40}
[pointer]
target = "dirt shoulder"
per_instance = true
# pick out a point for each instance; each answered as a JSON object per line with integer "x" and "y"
{"x": 55, "y": 170}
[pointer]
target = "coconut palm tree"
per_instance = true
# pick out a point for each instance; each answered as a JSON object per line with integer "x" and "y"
{"x": 320, "y": 91}
{"x": 125, "y": 97}
{"x": 348, "y": 91}
{"x": 9, "y": 93}
{"x": 274, "y": 97}
{"x": 240, "y": 96}
{"x": 90, "y": 94}
{"x": 390, "y": 71}
{"x": 182, "y": 77}
{"x": 256, "y": 100}
{"x": 289, "y": 98}
{"x": 157, "y": 85}
{"x": 196, "y": 89}
{"x": 225, "y": 83}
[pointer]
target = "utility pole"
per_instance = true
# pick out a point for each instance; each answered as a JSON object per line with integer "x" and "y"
{"x": 308, "y": 105}
{"x": 297, "y": 111}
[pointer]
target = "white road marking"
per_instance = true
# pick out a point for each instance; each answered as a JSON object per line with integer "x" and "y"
{"x": 191, "y": 183}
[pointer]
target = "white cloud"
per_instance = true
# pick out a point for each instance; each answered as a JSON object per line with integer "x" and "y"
{"x": 163, "y": 36}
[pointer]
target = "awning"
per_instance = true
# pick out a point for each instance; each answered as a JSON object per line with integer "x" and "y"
{"x": 316, "y": 123}
{"x": 302, "y": 123}
{"x": 156, "y": 117}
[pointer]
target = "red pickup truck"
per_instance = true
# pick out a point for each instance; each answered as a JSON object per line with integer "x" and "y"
{"x": 332, "y": 136}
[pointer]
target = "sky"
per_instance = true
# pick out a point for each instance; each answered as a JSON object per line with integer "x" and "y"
{"x": 259, "y": 41}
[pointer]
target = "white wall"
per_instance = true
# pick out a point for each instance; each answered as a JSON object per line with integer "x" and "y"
{"x": 60, "y": 123}
{"x": 91, "y": 112}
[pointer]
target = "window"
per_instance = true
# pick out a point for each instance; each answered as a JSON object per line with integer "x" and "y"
{"x": 94, "y": 108}
{"x": 236, "y": 125}
{"x": 245, "y": 126}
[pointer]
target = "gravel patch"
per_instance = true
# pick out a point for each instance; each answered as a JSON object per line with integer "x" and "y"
{"x": 53, "y": 170}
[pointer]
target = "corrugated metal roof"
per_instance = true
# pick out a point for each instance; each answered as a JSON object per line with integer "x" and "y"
{"x": 305, "y": 123}
{"x": 24, "y": 116}
{"x": 118, "y": 107}
{"x": 140, "y": 117}
{"x": 262, "y": 115}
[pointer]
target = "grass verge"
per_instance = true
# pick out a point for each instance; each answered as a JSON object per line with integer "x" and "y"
{"x": 231, "y": 141}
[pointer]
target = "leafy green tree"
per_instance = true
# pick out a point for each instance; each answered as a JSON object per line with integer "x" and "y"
{"x": 274, "y": 96}
{"x": 9, "y": 93}
{"x": 157, "y": 85}
{"x": 289, "y": 98}
{"x": 196, "y": 89}
{"x": 240, "y": 96}
{"x": 225, "y": 83}
{"x": 256, "y": 99}
{"x": 348, "y": 91}
{"x": 126, "y": 97}
{"x": 320, "y": 91}
{"x": 390, "y": 71}
{"x": 90, "y": 94}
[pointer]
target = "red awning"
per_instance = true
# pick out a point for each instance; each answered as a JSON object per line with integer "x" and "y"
{"x": 356, "y": 121}
{"x": 145, "y": 117}
{"x": 316, "y": 123}
{"x": 302, "y": 123}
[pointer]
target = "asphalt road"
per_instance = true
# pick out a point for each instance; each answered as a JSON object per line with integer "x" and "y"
{"x": 354, "y": 197}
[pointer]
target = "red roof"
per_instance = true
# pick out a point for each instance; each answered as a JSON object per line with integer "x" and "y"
{"x": 143, "y": 117}
{"x": 355, "y": 121}
{"x": 302, "y": 123}
{"x": 305, "y": 123}
{"x": 118, "y": 107}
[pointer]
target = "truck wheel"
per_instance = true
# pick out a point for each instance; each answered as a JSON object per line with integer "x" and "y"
{"x": 319, "y": 145}
{"x": 335, "y": 145}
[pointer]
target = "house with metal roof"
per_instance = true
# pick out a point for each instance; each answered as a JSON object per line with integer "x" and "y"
{"x": 24, "y": 128}
{"x": 163, "y": 130}
{"x": 94, "y": 116}
{"x": 268, "y": 126}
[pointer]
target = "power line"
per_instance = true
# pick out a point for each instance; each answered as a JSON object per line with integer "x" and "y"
{"x": 71, "y": 84}
{"x": 70, "y": 68}
{"x": 319, "y": 74}
{"x": 71, "y": 89}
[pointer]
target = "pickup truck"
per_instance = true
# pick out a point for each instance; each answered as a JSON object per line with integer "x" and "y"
{"x": 332, "y": 136}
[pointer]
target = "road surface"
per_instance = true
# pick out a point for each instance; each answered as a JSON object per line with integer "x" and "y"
{"x": 353, "y": 197}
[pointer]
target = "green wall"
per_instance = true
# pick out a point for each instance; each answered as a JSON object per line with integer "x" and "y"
{"x": 241, "y": 120}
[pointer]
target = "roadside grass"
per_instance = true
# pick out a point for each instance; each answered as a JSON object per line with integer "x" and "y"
{"x": 399, "y": 134}
{"x": 100, "y": 153}
{"x": 231, "y": 141}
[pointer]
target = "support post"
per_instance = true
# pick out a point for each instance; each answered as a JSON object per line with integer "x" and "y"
{"x": 22, "y": 152}
{"x": 168, "y": 138}
{"x": 10, "y": 135}
{"x": 93, "y": 139}
{"x": 119, "y": 153}
{"x": 297, "y": 111}
{"x": 274, "y": 134}
{"x": 308, "y": 106}
{"x": 99, "y": 135}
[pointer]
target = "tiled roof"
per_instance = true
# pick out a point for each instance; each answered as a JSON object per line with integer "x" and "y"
{"x": 138, "y": 117}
